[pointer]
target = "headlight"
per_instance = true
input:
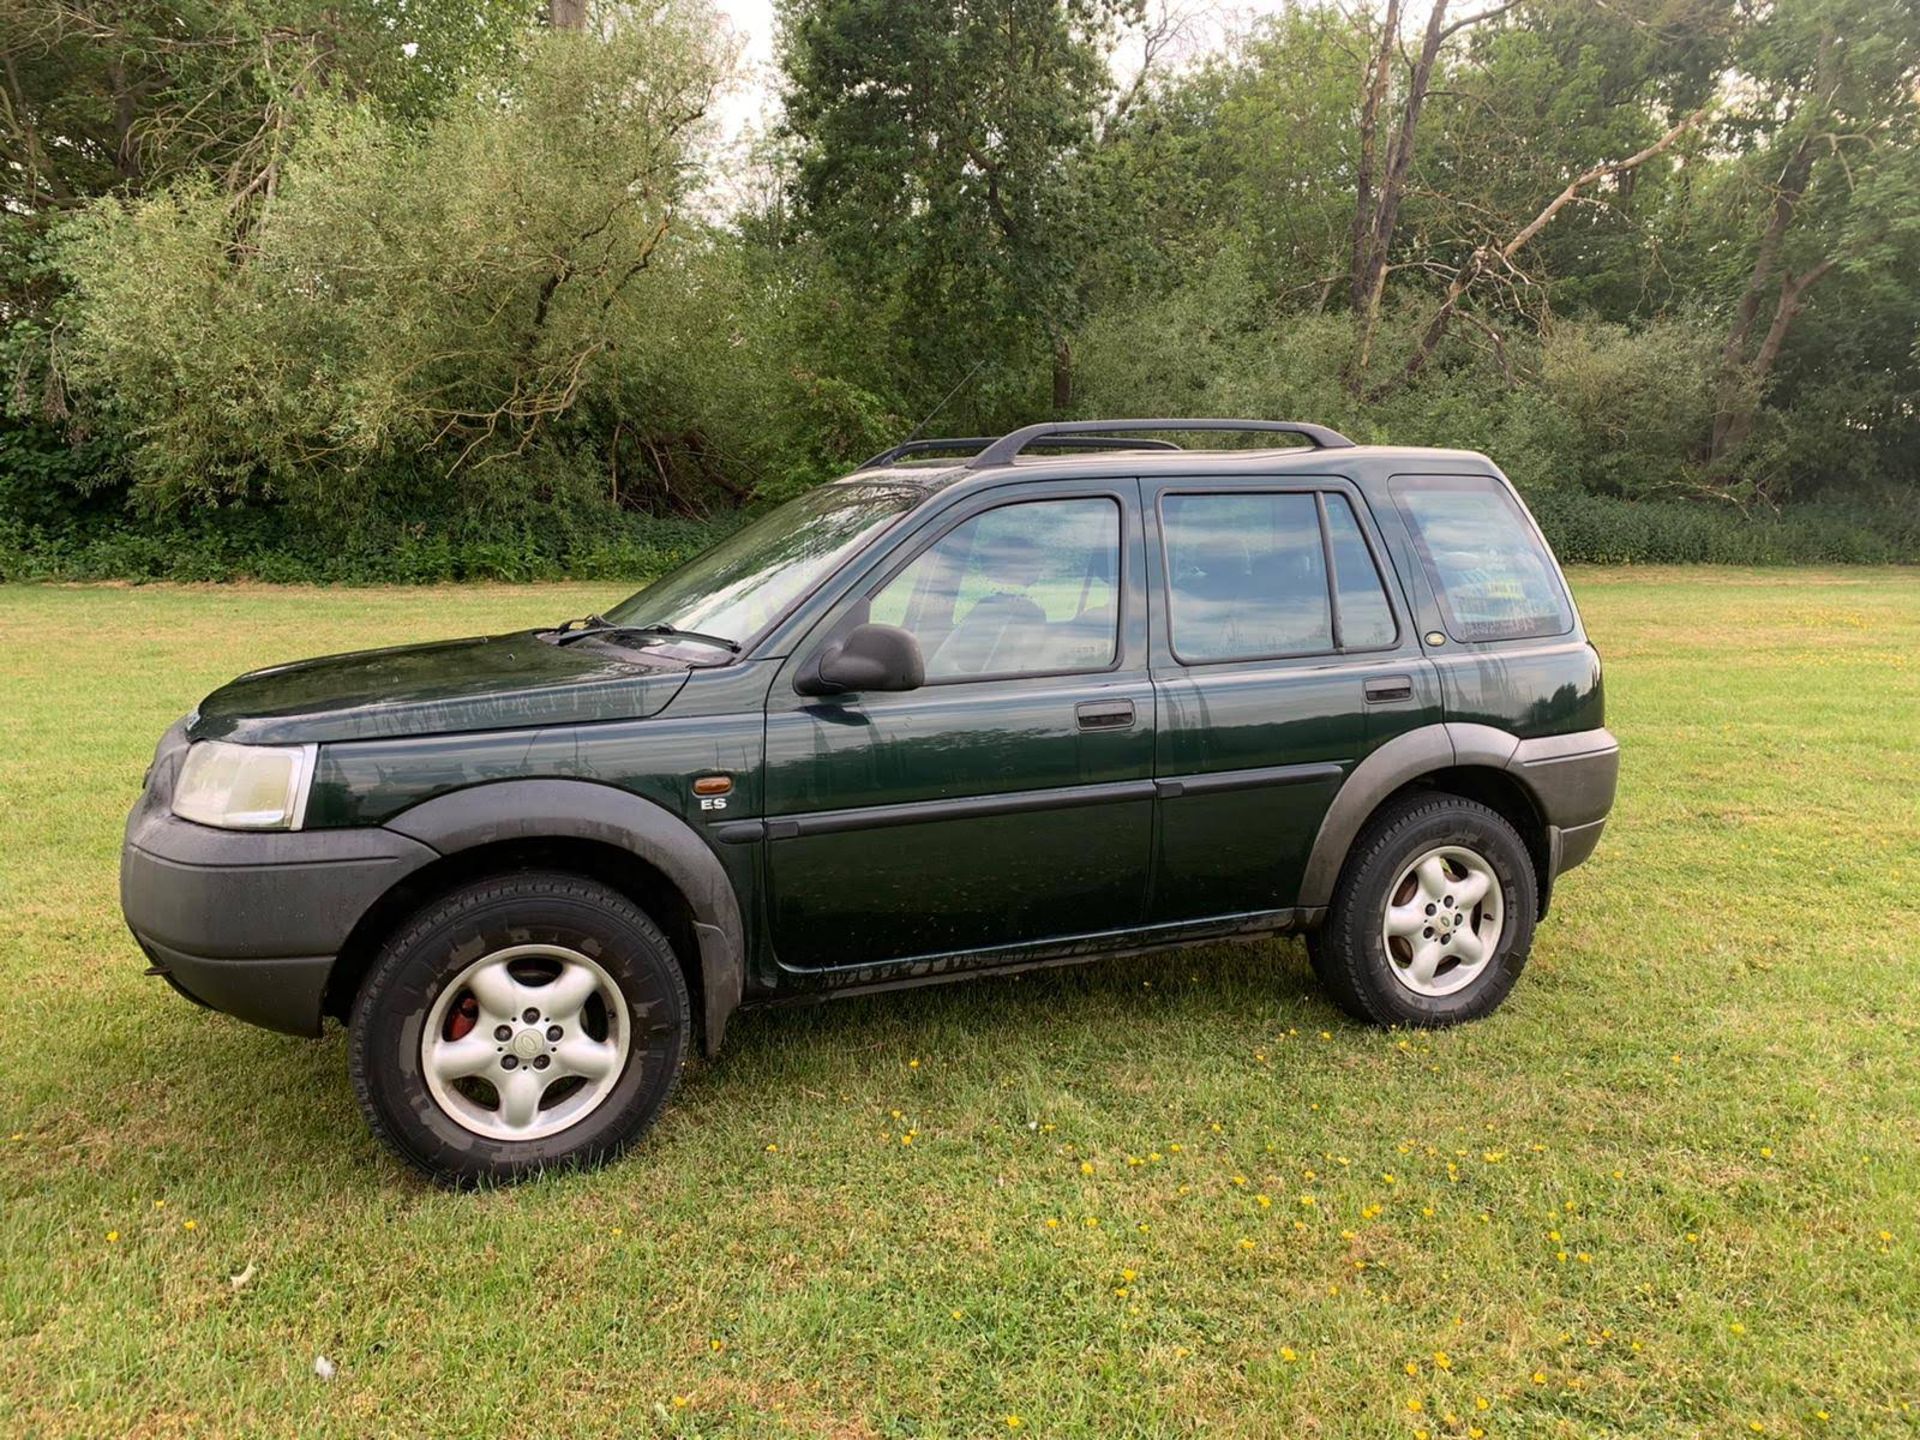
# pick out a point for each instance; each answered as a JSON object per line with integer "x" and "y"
{"x": 244, "y": 787}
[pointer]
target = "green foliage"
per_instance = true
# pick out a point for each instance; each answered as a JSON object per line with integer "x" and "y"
{"x": 352, "y": 293}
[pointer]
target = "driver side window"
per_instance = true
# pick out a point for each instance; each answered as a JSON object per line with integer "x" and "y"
{"x": 1028, "y": 588}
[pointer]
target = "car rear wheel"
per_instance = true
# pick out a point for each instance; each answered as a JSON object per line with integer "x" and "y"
{"x": 524, "y": 1023}
{"x": 1433, "y": 916}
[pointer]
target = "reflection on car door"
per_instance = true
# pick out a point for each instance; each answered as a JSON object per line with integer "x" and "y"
{"x": 1007, "y": 802}
{"x": 1281, "y": 656}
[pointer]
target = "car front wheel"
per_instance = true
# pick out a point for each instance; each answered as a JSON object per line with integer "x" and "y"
{"x": 1433, "y": 916}
{"x": 524, "y": 1023}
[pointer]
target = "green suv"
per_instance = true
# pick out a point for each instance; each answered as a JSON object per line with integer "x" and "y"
{"x": 1080, "y": 692}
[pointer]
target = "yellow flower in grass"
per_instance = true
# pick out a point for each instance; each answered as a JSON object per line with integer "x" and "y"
{"x": 1053, "y": 1223}
{"x": 1416, "y": 1405}
{"x": 1265, "y": 1202}
{"x": 1086, "y": 1167}
{"x": 113, "y": 1237}
{"x": 1443, "y": 1360}
{"x": 1014, "y": 1422}
{"x": 1539, "y": 1377}
{"x": 190, "y": 1225}
{"x": 1287, "y": 1354}
{"x": 1411, "y": 1367}
{"x": 1737, "y": 1328}
{"x": 1246, "y": 1244}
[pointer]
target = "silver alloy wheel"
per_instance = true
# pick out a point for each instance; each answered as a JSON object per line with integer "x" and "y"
{"x": 524, "y": 1021}
{"x": 1442, "y": 920}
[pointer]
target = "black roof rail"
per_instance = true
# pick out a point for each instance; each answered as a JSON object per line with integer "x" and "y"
{"x": 981, "y": 442}
{"x": 1060, "y": 432}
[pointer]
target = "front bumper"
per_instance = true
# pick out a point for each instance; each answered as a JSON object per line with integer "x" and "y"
{"x": 250, "y": 922}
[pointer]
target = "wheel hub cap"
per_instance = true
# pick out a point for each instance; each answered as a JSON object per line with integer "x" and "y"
{"x": 525, "y": 1042}
{"x": 528, "y": 1043}
{"x": 1443, "y": 920}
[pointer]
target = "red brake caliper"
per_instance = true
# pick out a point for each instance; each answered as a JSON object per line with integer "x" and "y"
{"x": 466, "y": 1014}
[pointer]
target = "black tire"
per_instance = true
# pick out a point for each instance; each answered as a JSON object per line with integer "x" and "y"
{"x": 384, "y": 1053}
{"x": 1350, "y": 950}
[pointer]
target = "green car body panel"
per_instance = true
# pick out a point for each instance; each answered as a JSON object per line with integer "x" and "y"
{"x": 887, "y": 838}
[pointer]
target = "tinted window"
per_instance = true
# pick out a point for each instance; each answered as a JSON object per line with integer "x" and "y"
{"x": 1366, "y": 619}
{"x": 1017, "y": 590}
{"x": 1494, "y": 579}
{"x": 1247, "y": 576}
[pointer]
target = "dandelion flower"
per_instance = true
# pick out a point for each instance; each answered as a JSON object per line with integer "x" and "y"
{"x": 190, "y": 1225}
{"x": 1086, "y": 1167}
{"x": 1443, "y": 1360}
{"x": 113, "y": 1237}
{"x": 1411, "y": 1367}
{"x": 1287, "y": 1354}
{"x": 1014, "y": 1422}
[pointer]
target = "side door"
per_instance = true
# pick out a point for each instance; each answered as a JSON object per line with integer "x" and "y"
{"x": 1008, "y": 802}
{"x": 1282, "y": 655}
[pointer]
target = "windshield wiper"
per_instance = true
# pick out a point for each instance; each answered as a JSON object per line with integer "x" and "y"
{"x": 598, "y": 625}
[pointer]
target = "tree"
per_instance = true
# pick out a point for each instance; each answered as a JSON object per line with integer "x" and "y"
{"x": 938, "y": 150}
{"x": 1832, "y": 108}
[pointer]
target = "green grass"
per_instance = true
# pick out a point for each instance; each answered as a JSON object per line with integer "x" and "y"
{"x": 1707, "y": 1087}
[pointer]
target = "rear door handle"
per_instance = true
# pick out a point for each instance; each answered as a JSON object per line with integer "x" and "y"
{"x": 1389, "y": 687}
{"x": 1104, "y": 714}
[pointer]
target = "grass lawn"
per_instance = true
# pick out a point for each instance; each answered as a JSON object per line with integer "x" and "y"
{"x": 1672, "y": 1189}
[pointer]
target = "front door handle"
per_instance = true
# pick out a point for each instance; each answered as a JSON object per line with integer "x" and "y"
{"x": 1389, "y": 687}
{"x": 1104, "y": 714}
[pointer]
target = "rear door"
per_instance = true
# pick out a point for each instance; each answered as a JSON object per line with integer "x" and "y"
{"x": 1009, "y": 801}
{"x": 1281, "y": 656}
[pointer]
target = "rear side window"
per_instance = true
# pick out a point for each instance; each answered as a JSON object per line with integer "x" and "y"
{"x": 1494, "y": 579}
{"x": 1248, "y": 576}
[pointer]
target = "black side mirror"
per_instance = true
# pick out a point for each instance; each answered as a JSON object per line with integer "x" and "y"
{"x": 867, "y": 657}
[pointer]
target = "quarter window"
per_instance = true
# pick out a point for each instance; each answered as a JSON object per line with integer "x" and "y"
{"x": 1031, "y": 588}
{"x": 1366, "y": 618}
{"x": 1494, "y": 579}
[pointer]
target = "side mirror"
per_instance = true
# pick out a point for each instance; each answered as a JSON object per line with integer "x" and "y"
{"x": 867, "y": 657}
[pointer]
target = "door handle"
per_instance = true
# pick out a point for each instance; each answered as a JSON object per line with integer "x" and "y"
{"x": 1389, "y": 687}
{"x": 1104, "y": 714}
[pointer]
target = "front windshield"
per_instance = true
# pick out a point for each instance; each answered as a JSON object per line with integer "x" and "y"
{"x": 740, "y": 586}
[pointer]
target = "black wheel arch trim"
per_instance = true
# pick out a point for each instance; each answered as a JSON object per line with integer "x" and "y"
{"x": 1570, "y": 778}
{"x": 546, "y": 809}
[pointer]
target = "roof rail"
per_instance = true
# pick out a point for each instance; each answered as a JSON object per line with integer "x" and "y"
{"x": 1060, "y": 432}
{"x": 981, "y": 442}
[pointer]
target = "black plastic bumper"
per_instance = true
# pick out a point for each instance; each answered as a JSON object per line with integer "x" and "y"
{"x": 1574, "y": 778}
{"x": 250, "y": 922}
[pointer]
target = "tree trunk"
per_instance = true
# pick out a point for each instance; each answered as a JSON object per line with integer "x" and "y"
{"x": 1733, "y": 425}
{"x": 567, "y": 14}
{"x": 1360, "y": 237}
{"x": 1399, "y": 163}
{"x": 1062, "y": 375}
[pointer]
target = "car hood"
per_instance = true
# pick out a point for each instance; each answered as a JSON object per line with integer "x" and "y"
{"x": 489, "y": 682}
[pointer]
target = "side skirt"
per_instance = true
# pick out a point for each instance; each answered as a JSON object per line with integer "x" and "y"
{"x": 813, "y": 987}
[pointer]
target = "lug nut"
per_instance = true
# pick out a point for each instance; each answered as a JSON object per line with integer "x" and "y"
{"x": 503, "y": 1032}
{"x": 1427, "y": 934}
{"x": 531, "y": 1015}
{"x": 510, "y": 1062}
{"x": 1432, "y": 908}
{"x": 554, "y": 1032}
{"x": 1449, "y": 902}
{"x": 540, "y": 1062}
